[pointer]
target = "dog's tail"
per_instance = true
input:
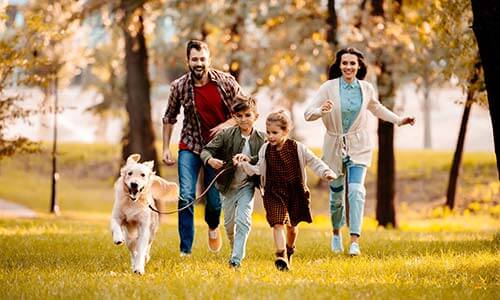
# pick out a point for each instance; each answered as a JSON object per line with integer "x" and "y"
{"x": 164, "y": 191}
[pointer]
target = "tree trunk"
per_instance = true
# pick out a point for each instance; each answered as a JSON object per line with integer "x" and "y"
{"x": 139, "y": 137}
{"x": 457, "y": 157}
{"x": 331, "y": 25}
{"x": 386, "y": 170}
{"x": 486, "y": 26}
{"x": 427, "y": 114}
{"x": 386, "y": 212}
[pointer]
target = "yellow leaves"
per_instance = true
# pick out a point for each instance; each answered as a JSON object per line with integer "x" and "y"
{"x": 316, "y": 37}
{"x": 235, "y": 66}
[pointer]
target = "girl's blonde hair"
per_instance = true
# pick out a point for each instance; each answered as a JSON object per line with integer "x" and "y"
{"x": 281, "y": 118}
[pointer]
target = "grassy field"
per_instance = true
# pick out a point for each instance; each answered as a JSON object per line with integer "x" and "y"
{"x": 433, "y": 254}
{"x": 74, "y": 258}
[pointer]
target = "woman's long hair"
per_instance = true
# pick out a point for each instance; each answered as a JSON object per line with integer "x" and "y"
{"x": 334, "y": 71}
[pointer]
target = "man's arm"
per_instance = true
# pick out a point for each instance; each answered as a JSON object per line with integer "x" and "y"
{"x": 167, "y": 134}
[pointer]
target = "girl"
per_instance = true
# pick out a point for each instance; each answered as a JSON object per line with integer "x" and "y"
{"x": 342, "y": 103}
{"x": 281, "y": 165}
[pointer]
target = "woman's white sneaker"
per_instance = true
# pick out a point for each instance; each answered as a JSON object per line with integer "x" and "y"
{"x": 354, "y": 249}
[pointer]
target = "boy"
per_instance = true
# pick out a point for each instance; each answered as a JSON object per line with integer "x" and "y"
{"x": 238, "y": 143}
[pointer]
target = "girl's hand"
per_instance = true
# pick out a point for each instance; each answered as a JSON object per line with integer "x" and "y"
{"x": 327, "y": 106}
{"x": 330, "y": 175}
{"x": 408, "y": 120}
{"x": 215, "y": 163}
{"x": 239, "y": 158}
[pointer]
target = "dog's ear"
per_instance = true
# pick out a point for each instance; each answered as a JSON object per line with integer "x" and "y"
{"x": 150, "y": 164}
{"x": 133, "y": 158}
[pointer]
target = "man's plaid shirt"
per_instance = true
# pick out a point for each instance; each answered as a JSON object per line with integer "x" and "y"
{"x": 182, "y": 93}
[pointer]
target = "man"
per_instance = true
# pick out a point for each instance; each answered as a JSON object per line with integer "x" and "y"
{"x": 206, "y": 96}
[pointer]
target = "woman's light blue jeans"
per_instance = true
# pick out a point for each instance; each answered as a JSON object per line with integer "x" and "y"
{"x": 237, "y": 204}
{"x": 356, "y": 194}
{"x": 189, "y": 164}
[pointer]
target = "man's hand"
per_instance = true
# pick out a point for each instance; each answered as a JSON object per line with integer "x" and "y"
{"x": 230, "y": 122}
{"x": 215, "y": 163}
{"x": 408, "y": 120}
{"x": 239, "y": 158}
{"x": 167, "y": 157}
{"x": 327, "y": 106}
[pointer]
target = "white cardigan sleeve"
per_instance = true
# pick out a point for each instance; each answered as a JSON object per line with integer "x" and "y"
{"x": 381, "y": 111}
{"x": 258, "y": 168}
{"x": 313, "y": 111}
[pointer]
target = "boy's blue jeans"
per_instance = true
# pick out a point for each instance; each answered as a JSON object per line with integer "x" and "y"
{"x": 189, "y": 165}
{"x": 356, "y": 189}
{"x": 237, "y": 204}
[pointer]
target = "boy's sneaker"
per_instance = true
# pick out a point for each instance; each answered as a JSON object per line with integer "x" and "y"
{"x": 234, "y": 265}
{"x": 337, "y": 244}
{"x": 354, "y": 249}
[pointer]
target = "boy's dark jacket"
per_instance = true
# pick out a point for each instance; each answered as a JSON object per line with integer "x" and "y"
{"x": 225, "y": 145}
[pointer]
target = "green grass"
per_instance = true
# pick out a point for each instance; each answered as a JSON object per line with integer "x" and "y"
{"x": 75, "y": 258}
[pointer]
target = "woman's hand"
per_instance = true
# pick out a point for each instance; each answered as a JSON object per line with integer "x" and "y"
{"x": 239, "y": 158}
{"x": 408, "y": 120}
{"x": 327, "y": 106}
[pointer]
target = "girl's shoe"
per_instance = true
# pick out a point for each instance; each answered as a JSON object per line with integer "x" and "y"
{"x": 281, "y": 262}
{"x": 354, "y": 249}
{"x": 337, "y": 244}
{"x": 289, "y": 252}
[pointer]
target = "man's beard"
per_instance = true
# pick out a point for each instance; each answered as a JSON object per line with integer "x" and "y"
{"x": 199, "y": 75}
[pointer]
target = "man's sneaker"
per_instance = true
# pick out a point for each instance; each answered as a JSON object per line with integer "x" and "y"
{"x": 185, "y": 254}
{"x": 337, "y": 244}
{"x": 214, "y": 240}
{"x": 354, "y": 249}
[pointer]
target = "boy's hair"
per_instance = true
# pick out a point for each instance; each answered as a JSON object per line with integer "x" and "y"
{"x": 280, "y": 117}
{"x": 244, "y": 103}
{"x": 195, "y": 44}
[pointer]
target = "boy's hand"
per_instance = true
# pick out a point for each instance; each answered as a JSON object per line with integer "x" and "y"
{"x": 215, "y": 163}
{"x": 239, "y": 158}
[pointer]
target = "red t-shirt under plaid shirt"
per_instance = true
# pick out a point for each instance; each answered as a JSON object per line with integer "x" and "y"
{"x": 209, "y": 107}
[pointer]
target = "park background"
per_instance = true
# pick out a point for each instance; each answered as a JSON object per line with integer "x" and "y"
{"x": 103, "y": 69}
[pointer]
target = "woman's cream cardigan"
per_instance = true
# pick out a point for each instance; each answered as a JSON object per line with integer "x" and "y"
{"x": 357, "y": 140}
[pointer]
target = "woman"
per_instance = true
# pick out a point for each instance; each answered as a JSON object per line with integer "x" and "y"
{"x": 342, "y": 103}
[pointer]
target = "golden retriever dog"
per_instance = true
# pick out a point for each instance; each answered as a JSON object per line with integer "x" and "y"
{"x": 132, "y": 221}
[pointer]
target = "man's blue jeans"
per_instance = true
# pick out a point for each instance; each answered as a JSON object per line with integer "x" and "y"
{"x": 189, "y": 167}
{"x": 356, "y": 189}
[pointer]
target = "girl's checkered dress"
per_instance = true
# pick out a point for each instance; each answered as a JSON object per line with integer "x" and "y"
{"x": 286, "y": 198}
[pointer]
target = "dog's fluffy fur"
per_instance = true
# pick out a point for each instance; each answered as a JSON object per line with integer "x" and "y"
{"x": 132, "y": 221}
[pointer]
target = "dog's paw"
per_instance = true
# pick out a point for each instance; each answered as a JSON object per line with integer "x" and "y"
{"x": 139, "y": 271}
